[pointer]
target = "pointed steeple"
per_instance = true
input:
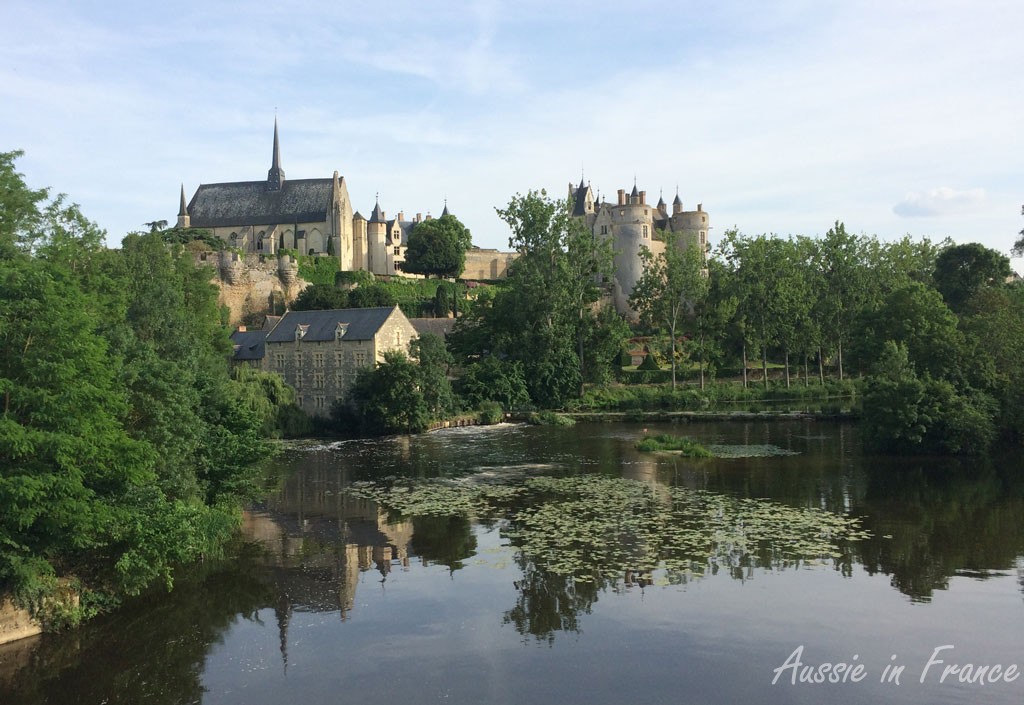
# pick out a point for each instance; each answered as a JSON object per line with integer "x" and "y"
{"x": 183, "y": 218}
{"x": 677, "y": 203}
{"x": 275, "y": 175}
{"x": 378, "y": 215}
{"x": 445, "y": 211}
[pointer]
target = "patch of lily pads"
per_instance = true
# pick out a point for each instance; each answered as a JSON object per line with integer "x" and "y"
{"x": 749, "y": 451}
{"x": 594, "y": 527}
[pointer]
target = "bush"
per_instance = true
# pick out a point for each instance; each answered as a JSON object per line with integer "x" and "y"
{"x": 549, "y": 418}
{"x": 649, "y": 363}
{"x": 490, "y": 413}
{"x": 686, "y": 446}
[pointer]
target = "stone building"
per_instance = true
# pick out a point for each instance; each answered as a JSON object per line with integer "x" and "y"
{"x": 313, "y": 217}
{"x": 632, "y": 224}
{"x": 319, "y": 353}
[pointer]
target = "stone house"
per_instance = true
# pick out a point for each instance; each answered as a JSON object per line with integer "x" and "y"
{"x": 319, "y": 353}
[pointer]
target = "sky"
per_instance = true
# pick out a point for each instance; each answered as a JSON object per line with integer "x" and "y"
{"x": 782, "y": 117}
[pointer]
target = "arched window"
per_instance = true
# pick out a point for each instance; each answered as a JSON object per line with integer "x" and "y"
{"x": 259, "y": 241}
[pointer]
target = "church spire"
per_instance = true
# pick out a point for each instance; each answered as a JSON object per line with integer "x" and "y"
{"x": 183, "y": 219}
{"x": 275, "y": 175}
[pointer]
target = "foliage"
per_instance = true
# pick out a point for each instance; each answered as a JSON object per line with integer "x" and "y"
{"x": 437, "y": 247}
{"x": 649, "y": 363}
{"x": 688, "y": 447}
{"x": 190, "y": 236}
{"x": 317, "y": 269}
{"x": 549, "y": 418}
{"x": 490, "y": 413}
{"x": 672, "y": 280}
{"x": 963, "y": 270}
{"x": 492, "y": 379}
{"x": 325, "y": 297}
{"x": 434, "y": 362}
{"x": 124, "y": 445}
{"x": 388, "y": 399}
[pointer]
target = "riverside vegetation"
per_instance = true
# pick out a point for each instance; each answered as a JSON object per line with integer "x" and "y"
{"x": 127, "y": 446}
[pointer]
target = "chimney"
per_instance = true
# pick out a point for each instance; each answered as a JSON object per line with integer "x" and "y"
{"x": 700, "y": 207}
{"x": 643, "y": 198}
{"x": 622, "y": 196}
{"x": 241, "y": 329}
{"x": 401, "y": 215}
{"x": 419, "y": 217}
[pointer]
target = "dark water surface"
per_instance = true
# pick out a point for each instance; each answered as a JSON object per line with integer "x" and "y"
{"x": 333, "y": 599}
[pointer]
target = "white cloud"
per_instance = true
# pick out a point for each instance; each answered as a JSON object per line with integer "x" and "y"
{"x": 939, "y": 202}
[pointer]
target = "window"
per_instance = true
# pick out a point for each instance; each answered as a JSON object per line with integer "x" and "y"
{"x": 340, "y": 331}
{"x": 278, "y": 360}
{"x": 398, "y": 338}
{"x": 338, "y": 359}
{"x": 298, "y": 359}
{"x": 361, "y": 358}
{"x": 604, "y": 229}
{"x": 645, "y": 231}
{"x": 259, "y": 241}
{"x": 319, "y": 402}
{"x": 318, "y": 380}
{"x": 318, "y": 359}
{"x": 398, "y": 251}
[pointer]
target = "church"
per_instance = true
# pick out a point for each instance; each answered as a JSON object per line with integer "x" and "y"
{"x": 314, "y": 217}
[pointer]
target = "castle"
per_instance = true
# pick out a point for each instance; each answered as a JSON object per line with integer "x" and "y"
{"x": 631, "y": 224}
{"x": 314, "y": 217}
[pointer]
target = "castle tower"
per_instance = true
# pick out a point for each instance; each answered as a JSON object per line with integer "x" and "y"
{"x": 183, "y": 217}
{"x": 376, "y": 241}
{"x": 275, "y": 175}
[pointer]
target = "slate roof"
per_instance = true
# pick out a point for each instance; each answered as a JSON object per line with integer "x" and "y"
{"x": 406, "y": 227}
{"x": 580, "y": 207}
{"x": 440, "y": 327}
{"x": 249, "y": 344}
{"x": 363, "y": 324}
{"x": 250, "y": 203}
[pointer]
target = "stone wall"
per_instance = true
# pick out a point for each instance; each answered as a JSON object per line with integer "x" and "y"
{"x": 16, "y": 623}
{"x": 253, "y": 284}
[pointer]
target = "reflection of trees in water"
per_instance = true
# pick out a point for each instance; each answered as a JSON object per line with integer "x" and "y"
{"x": 447, "y": 540}
{"x": 943, "y": 519}
{"x": 547, "y": 602}
{"x": 152, "y": 650}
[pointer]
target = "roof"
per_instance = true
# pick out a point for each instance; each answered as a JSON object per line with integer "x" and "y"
{"x": 249, "y": 344}
{"x": 377, "y": 216}
{"x": 250, "y": 203}
{"x": 440, "y": 327}
{"x": 363, "y": 324}
{"x": 580, "y": 207}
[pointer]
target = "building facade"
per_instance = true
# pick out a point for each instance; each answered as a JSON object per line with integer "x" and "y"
{"x": 319, "y": 353}
{"x": 631, "y": 224}
{"x": 313, "y": 217}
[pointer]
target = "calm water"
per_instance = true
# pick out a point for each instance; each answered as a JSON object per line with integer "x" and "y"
{"x": 332, "y": 599}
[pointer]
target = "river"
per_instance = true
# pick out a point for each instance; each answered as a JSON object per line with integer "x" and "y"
{"x": 582, "y": 571}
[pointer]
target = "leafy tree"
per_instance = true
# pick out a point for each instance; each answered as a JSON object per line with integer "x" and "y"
{"x": 845, "y": 287}
{"x": 434, "y": 361}
{"x": 320, "y": 297}
{"x": 370, "y": 296}
{"x": 388, "y": 398}
{"x": 492, "y": 379}
{"x": 1018, "y": 247}
{"x": 437, "y": 247}
{"x": 963, "y": 270}
{"x": 20, "y": 213}
{"x": 672, "y": 280}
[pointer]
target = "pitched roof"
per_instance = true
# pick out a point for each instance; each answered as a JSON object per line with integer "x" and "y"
{"x": 362, "y": 324}
{"x": 250, "y": 203}
{"x": 580, "y": 206}
{"x": 249, "y": 344}
{"x": 440, "y": 327}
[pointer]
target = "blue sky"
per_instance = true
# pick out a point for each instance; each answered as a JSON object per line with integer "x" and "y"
{"x": 780, "y": 117}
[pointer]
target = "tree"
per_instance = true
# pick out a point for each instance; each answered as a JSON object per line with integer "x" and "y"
{"x": 388, "y": 398}
{"x": 1018, "y": 247}
{"x": 434, "y": 362}
{"x": 20, "y": 214}
{"x": 963, "y": 270}
{"x": 672, "y": 280}
{"x": 437, "y": 247}
{"x": 844, "y": 287}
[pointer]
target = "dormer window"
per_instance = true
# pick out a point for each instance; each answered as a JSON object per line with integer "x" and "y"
{"x": 340, "y": 331}
{"x": 300, "y": 332}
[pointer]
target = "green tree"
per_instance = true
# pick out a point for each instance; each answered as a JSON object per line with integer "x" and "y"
{"x": 672, "y": 281}
{"x": 434, "y": 362}
{"x": 845, "y": 287}
{"x": 437, "y": 247}
{"x": 388, "y": 398}
{"x": 963, "y": 270}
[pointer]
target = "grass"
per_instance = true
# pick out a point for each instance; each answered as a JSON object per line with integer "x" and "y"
{"x": 688, "y": 447}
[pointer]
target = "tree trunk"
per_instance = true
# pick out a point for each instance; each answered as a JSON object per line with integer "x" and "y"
{"x": 821, "y": 368}
{"x": 701, "y": 362}
{"x": 672, "y": 347}
{"x": 840, "y": 360}
{"x": 744, "y": 364}
{"x": 807, "y": 378}
{"x": 786, "y": 352}
{"x": 764, "y": 365}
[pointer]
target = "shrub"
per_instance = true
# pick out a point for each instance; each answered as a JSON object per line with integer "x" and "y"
{"x": 490, "y": 413}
